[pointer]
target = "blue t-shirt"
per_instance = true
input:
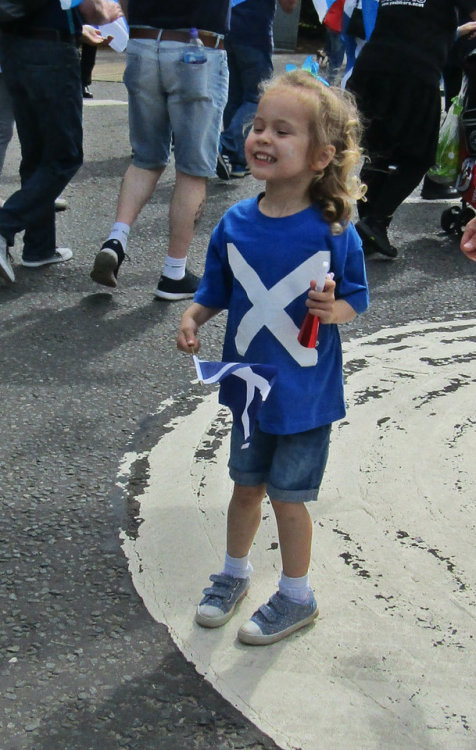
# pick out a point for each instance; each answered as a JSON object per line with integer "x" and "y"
{"x": 259, "y": 269}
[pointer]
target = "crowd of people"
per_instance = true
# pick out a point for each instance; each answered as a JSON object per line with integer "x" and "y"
{"x": 305, "y": 141}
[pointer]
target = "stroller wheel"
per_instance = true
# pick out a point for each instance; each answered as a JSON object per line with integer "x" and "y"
{"x": 451, "y": 219}
{"x": 467, "y": 214}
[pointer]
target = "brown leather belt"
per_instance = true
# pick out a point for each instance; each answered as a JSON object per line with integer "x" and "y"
{"x": 47, "y": 35}
{"x": 171, "y": 35}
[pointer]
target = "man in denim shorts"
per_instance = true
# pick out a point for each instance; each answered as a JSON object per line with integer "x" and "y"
{"x": 169, "y": 96}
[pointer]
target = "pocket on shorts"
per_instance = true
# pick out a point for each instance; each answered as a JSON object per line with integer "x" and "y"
{"x": 193, "y": 81}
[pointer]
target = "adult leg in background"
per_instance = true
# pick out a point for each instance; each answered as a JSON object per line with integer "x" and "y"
{"x": 248, "y": 67}
{"x": 43, "y": 80}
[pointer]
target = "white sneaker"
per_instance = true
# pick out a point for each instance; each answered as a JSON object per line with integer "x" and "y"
{"x": 6, "y": 270}
{"x": 61, "y": 255}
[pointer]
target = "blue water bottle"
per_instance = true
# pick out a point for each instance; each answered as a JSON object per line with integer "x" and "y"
{"x": 195, "y": 53}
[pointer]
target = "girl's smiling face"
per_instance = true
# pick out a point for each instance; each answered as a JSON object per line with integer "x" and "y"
{"x": 278, "y": 145}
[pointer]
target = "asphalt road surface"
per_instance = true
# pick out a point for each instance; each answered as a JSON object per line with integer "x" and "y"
{"x": 87, "y": 377}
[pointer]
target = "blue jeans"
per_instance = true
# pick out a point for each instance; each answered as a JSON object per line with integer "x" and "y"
{"x": 43, "y": 79}
{"x": 335, "y": 50}
{"x": 248, "y": 66}
{"x": 6, "y": 120}
{"x": 167, "y": 95}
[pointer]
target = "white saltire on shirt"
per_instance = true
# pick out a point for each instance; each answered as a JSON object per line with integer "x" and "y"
{"x": 268, "y": 305}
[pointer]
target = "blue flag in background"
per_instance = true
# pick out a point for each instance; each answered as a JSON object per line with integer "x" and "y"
{"x": 244, "y": 388}
{"x": 369, "y": 12}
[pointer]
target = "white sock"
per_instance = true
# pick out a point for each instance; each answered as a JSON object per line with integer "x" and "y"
{"x": 297, "y": 589}
{"x": 120, "y": 231}
{"x": 237, "y": 567}
{"x": 174, "y": 268}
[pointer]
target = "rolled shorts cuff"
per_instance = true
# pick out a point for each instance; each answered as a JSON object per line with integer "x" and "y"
{"x": 292, "y": 496}
{"x": 249, "y": 479}
{"x": 149, "y": 166}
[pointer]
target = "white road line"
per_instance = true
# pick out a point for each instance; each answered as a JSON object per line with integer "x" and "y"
{"x": 391, "y": 660}
{"x": 445, "y": 201}
{"x": 103, "y": 102}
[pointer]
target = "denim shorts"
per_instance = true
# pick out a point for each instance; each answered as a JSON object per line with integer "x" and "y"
{"x": 169, "y": 96}
{"x": 291, "y": 466}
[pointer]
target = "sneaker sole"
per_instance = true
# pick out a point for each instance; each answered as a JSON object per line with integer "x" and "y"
{"x": 216, "y": 622}
{"x": 6, "y": 272}
{"x": 173, "y": 296}
{"x": 103, "y": 270}
{"x": 59, "y": 258}
{"x": 239, "y": 175}
{"x": 265, "y": 640}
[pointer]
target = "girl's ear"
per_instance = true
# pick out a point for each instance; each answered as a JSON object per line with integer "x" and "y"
{"x": 322, "y": 158}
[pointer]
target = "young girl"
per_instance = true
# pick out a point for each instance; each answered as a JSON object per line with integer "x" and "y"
{"x": 261, "y": 264}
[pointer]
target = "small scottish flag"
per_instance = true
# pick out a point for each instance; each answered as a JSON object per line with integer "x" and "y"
{"x": 244, "y": 388}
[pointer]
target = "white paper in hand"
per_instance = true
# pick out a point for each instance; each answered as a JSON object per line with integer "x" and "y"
{"x": 119, "y": 32}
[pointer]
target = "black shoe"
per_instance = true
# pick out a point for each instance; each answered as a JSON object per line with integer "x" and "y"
{"x": 223, "y": 167}
{"x": 107, "y": 263}
{"x": 434, "y": 191}
{"x": 87, "y": 93}
{"x": 172, "y": 290}
{"x": 373, "y": 233}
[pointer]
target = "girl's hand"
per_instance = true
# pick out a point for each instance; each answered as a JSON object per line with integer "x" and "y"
{"x": 322, "y": 303}
{"x": 187, "y": 339}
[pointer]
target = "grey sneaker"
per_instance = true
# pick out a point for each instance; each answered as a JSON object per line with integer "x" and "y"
{"x": 277, "y": 619}
{"x": 220, "y": 600}
{"x": 6, "y": 269}
{"x": 60, "y": 255}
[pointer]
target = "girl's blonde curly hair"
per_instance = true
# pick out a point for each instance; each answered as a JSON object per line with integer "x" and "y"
{"x": 333, "y": 120}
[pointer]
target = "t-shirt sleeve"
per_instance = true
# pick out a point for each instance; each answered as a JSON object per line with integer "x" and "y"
{"x": 217, "y": 280}
{"x": 349, "y": 270}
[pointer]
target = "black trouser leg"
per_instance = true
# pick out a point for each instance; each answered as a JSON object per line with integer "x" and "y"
{"x": 387, "y": 191}
{"x": 88, "y": 60}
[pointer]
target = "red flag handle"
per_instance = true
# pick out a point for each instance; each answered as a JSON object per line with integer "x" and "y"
{"x": 307, "y": 335}
{"x": 309, "y": 330}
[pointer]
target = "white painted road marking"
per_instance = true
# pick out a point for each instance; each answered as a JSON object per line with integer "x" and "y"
{"x": 103, "y": 102}
{"x": 390, "y": 662}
